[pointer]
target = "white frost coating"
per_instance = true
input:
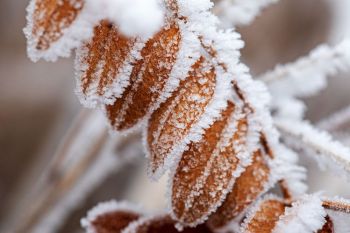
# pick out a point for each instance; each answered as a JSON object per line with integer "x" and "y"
{"x": 286, "y": 168}
{"x": 240, "y": 12}
{"x": 336, "y": 120}
{"x": 308, "y": 75}
{"x": 250, "y": 213}
{"x": 337, "y": 155}
{"x": 134, "y": 17}
{"x": 306, "y": 215}
{"x": 105, "y": 208}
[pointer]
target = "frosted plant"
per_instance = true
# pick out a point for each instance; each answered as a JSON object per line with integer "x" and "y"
{"x": 166, "y": 68}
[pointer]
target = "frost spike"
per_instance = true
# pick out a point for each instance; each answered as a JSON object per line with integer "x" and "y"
{"x": 147, "y": 80}
{"x": 249, "y": 186}
{"x": 172, "y": 121}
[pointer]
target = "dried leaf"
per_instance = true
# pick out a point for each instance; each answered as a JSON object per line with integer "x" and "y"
{"x": 147, "y": 79}
{"x": 208, "y": 168}
{"x": 172, "y": 121}
{"x": 247, "y": 188}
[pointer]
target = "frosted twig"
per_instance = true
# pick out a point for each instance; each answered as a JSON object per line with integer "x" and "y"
{"x": 307, "y": 75}
{"x": 240, "y": 12}
{"x": 319, "y": 141}
{"x": 336, "y": 120}
{"x": 336, "y": 204}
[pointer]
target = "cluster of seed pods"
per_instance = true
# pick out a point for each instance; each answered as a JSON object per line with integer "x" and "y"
{"x": 196, "y": 121}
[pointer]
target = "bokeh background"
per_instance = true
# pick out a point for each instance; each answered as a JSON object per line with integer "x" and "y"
{"x": 38, "y": 104}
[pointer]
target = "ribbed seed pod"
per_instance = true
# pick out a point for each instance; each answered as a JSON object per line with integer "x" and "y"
{"x": 247, "y": 188}
{"x": 208, "y": 168}
{"x": 111, "y": 217}
{"x": 147, "y": 80}
{"x": 173, "y": 120}
{"x": 264, "y": 216}
{"x": 50, "y": 18}
{"x": 161, "y": 224}
{"x": 101, "y": 60}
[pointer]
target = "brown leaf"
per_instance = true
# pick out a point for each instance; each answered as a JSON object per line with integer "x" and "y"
{"x": 101, "y": 59}
{"x": 50, "y": 18}
{"x": 204, "y": 173}
{"x": 113, "y": 222}
{"x": 147, "y": 80}
{"x": 265, "y": 217}
{"x": 163, "y": 224}
{"x": 172, "y": 121}
{"x": 249, "y": 186}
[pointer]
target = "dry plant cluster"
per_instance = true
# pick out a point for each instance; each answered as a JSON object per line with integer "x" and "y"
{"x": 206, "y": 122}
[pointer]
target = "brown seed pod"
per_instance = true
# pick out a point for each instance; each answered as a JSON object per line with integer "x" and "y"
{"x": 111, "y": 217}
{"x": 50, "y": 18}
{"x": 147, "y": 79}
{"x": 328, "y": 227}
{"x": 113, "y": 222}
{"x": 206, "y": 170}
{"x": 161, "y": 224}
{"x": 247, "y": 188}
{"x": 100, "y": 60}
{"x": 264, "y": 216}
{"x": 171, "y": 123}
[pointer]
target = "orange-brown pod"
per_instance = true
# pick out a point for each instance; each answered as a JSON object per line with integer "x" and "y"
{"x": 147, "y": 80}
{"x": 50, "y": 18}
{"x": 172, "y": 121}
{"x": 205, "y": 171}
{"x": 247, "y": 188}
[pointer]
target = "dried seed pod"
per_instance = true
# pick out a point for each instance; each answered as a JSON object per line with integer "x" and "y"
{"x": 207, "y": 169}
{"x": 111, "y": 217}
{"x": 147, "y": 79}
{"x": 48, "y": 21}
{"x": 328, "y": 227}
{"x": 262, "y": 218}
{"x": 161, "y": 224}
{"x": 172, "y": 122}
{"x": 247, "y": 188}
{"x": 100, "y": 61}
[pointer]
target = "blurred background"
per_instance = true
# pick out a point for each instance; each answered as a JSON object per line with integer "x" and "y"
{"x": 38, "y": 105}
